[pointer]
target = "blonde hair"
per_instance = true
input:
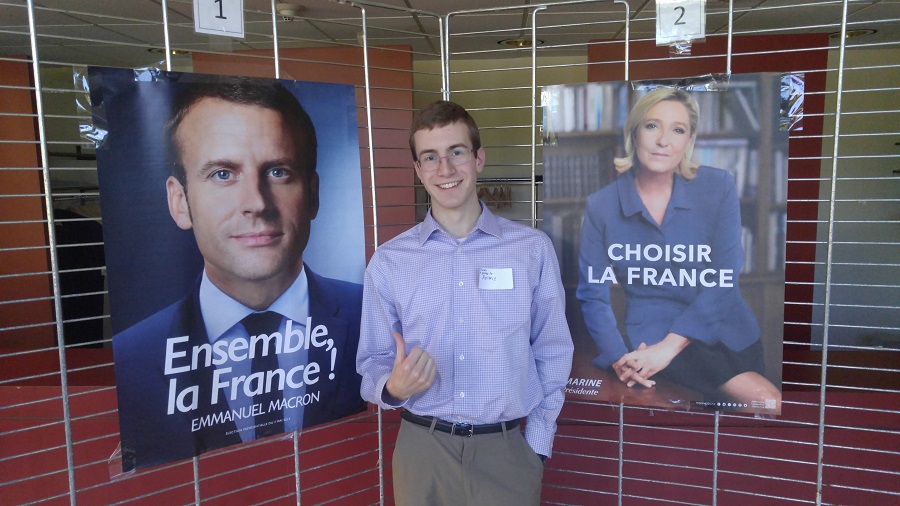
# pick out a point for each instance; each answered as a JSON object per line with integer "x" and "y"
{"x": 686, "y": 168}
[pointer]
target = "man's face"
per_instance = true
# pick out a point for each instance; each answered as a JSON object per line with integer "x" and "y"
{"x": 249, "y": 201}
{"x": 451, "y": 187}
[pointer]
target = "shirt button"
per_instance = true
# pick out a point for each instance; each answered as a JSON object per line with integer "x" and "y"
{"x": 460, "y": 283}
{"x": 462, "y": 394}
{"x": 462, "y": 357}
{"x": 460, "y": 320}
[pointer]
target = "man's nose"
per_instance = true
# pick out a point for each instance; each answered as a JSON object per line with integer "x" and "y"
{"x": 444, "y": 165}
{"x": 253, "y": 195}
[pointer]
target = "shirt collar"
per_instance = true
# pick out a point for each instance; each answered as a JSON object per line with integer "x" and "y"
{"x": 628, "y": 195}
{"x": 679, "y": 194}
{"x": 221, "y": 312}
{"x": 487, "y": 222}
{"x": 632, "y": 203}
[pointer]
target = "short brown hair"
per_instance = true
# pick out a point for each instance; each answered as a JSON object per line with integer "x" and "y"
{"x": 248, "y": 91}
{"x": 440, "y": 114}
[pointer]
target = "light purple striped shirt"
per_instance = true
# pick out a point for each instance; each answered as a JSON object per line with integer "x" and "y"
{"x": 501, "y": 354}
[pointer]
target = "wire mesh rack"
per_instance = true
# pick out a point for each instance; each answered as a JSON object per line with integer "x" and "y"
{"x": 837, "y": 440}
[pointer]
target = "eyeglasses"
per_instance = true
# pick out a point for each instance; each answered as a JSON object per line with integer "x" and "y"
{"x": 432, "y": 161}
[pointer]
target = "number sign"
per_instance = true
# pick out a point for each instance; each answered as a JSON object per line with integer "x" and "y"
{"x": 219, "y": 17}
{"x": 680, "y": 21}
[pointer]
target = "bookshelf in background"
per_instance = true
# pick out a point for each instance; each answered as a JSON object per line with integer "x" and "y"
{"x": 582, "y": 133}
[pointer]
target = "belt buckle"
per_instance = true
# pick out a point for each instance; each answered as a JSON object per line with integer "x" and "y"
{"x": 460, "y": 429}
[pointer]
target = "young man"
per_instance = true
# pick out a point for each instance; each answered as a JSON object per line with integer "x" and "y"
{"x": 464, "y": 327}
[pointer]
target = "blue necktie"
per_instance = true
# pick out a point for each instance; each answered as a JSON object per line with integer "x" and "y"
{"x": 269, "y": 422}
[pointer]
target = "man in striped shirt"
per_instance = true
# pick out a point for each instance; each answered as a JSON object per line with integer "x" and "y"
{"x": 464, "y": 328}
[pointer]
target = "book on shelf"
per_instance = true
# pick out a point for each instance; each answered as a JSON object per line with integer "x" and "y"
{"x": 747, "y": 247}
{"x": 752, "y": 182}
{"x": 748, "y": 115}
{"x": 583, "y": 108}
{"x": 779, "y": 178}
{"x": 777, "y": 242}
{"x": 728, "y": 154}
{"x": 574, "y": 176}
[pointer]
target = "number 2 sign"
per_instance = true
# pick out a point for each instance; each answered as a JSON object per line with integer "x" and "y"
{"x": 219, "y": 17}
{"x": 680, "y": 21}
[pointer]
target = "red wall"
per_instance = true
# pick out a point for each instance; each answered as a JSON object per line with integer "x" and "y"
{"x": 758, "y": 459}
{"x": 25, "y": 181}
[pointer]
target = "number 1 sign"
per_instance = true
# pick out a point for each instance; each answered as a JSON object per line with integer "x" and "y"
{"x": 680, "y": 21}
{"x": 219, "y": 17}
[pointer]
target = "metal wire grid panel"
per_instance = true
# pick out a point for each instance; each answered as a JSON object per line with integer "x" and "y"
{"x": 836, "y": 442}
{"x": 58, "y": 408}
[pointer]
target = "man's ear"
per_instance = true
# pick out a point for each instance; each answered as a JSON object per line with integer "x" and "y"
{"x": 418, "y": 169}
{"x": 178, "y": 204}
{"x": 479, "y": 160}
{"x": 313, "y": 195}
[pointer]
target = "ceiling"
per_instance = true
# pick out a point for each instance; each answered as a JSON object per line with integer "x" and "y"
{"x": 120, "y": 32}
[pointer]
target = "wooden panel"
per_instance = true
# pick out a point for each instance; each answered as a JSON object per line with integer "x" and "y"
{"x": 21, "y": 176}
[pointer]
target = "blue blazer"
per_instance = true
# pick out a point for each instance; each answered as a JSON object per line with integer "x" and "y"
{"x": 151, "y": 437}
{"x": 703, "y": 212}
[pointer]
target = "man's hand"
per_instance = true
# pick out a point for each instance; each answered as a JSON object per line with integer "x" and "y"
{"x": 412, "y": 373}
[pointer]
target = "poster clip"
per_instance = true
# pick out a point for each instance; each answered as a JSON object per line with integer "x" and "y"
{"x": 680, "y": 48}
{"x": 156, "y": 73}
{"x": 91, "y": 116}
{"x": 708, "y": 82}
{"x": 90, "y": 108}
{"x": 791, "y": 108}
{"x": 114, "y": 464}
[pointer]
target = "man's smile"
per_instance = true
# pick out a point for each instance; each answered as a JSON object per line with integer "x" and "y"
{"x": 447, "y": 186}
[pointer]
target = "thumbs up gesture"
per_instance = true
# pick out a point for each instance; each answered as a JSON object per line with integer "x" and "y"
{"x": 413, "y": 372}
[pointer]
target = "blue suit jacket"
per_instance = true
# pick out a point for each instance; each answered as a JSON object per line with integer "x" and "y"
{"x": 151, "y": 437}
{"x": 702, "y": 211}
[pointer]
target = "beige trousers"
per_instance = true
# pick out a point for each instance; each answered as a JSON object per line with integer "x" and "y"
{"x": 434, "y": 468}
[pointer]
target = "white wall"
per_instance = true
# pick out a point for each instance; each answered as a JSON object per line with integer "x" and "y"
{"x": 865, "y": 268}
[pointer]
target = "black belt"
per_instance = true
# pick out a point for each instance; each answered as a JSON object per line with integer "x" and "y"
{"x": 458, "y": 429}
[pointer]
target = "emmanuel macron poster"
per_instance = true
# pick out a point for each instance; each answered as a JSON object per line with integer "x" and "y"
{"x": 233, "y": 226}
{"x": 667, "y": 207}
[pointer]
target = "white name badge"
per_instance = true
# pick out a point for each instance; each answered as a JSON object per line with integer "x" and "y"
{"x": 495, "y": 279}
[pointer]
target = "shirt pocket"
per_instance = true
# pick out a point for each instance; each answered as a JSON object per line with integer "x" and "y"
{"x": 504, "y": 316}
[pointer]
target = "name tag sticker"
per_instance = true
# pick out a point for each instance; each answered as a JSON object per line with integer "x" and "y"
{"x": 495, "y": 279}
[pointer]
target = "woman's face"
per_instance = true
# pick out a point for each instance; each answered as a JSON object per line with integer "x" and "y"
{"x": 662, "y": 136}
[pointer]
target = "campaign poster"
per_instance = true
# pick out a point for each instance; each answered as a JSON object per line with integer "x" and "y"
{"x": 233, "y": 233}
{"x": 666, "y": 203}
